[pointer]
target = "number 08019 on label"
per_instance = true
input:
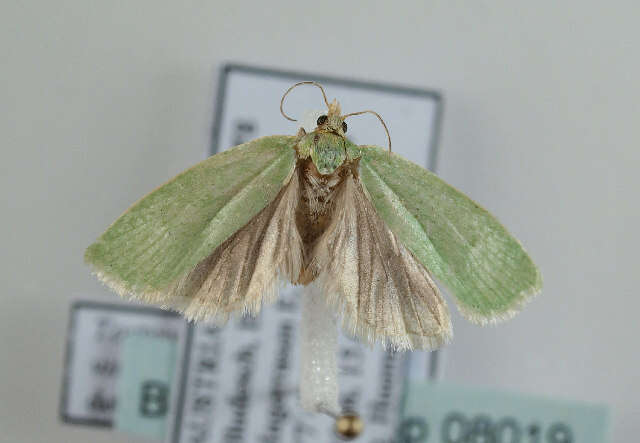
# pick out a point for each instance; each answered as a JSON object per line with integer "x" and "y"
{"x": 447, "y": 414}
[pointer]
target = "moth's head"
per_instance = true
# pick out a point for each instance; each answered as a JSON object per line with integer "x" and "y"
{"x": 332, "y": 121}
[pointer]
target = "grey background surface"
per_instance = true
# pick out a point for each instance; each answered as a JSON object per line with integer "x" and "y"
{"x": 101, "y": 101}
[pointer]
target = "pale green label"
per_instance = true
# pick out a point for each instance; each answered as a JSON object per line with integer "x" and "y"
{"x": 144, "y": 385}
{"x": 436, "y": 413}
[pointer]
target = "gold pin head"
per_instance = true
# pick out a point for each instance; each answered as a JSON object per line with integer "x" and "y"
{"x": 349, "y": 426}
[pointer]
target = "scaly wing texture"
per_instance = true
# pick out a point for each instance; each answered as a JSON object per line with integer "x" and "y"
{"x": 486, "y": 269}
{"x": 162, "y": 237}
{"x": 382, "y": 291}
{"x": 244, "y": 272}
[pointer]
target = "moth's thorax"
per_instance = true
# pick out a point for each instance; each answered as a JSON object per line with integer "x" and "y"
{"x": 327, "y": 149}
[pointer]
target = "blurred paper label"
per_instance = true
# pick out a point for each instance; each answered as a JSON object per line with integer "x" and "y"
{"x": 249, "y": 97}
{"x": 242, "y": 383}
{"x": 94, "y": 363}
{"x": 449, "y": 414}
{"x": 145, "y": 385}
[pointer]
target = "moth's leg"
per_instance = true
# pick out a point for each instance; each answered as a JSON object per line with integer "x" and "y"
{"x": 301, "y": 133}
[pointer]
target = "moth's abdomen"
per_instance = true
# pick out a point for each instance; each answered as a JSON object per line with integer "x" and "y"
{"x": 317, "y": 203}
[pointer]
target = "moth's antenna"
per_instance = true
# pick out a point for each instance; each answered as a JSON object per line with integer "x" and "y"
{"x": 379, "y": 118}
{"x": 296, "y": 85}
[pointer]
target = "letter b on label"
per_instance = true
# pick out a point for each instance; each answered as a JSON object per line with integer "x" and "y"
{"x": 154, "y": 399}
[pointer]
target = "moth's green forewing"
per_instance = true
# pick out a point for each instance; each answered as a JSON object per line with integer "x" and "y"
{"x": 459, "y": 242}
{"x": 166, "y": 233}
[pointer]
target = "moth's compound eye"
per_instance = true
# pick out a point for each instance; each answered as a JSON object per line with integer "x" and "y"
{"x": 322, "y": 120}
{"x": 344, "y": 126}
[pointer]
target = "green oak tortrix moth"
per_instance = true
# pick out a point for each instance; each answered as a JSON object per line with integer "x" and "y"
{"x": 372, "y": 229}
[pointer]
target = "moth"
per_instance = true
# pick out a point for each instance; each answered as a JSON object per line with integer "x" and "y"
{"x": 371, "y": 229}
